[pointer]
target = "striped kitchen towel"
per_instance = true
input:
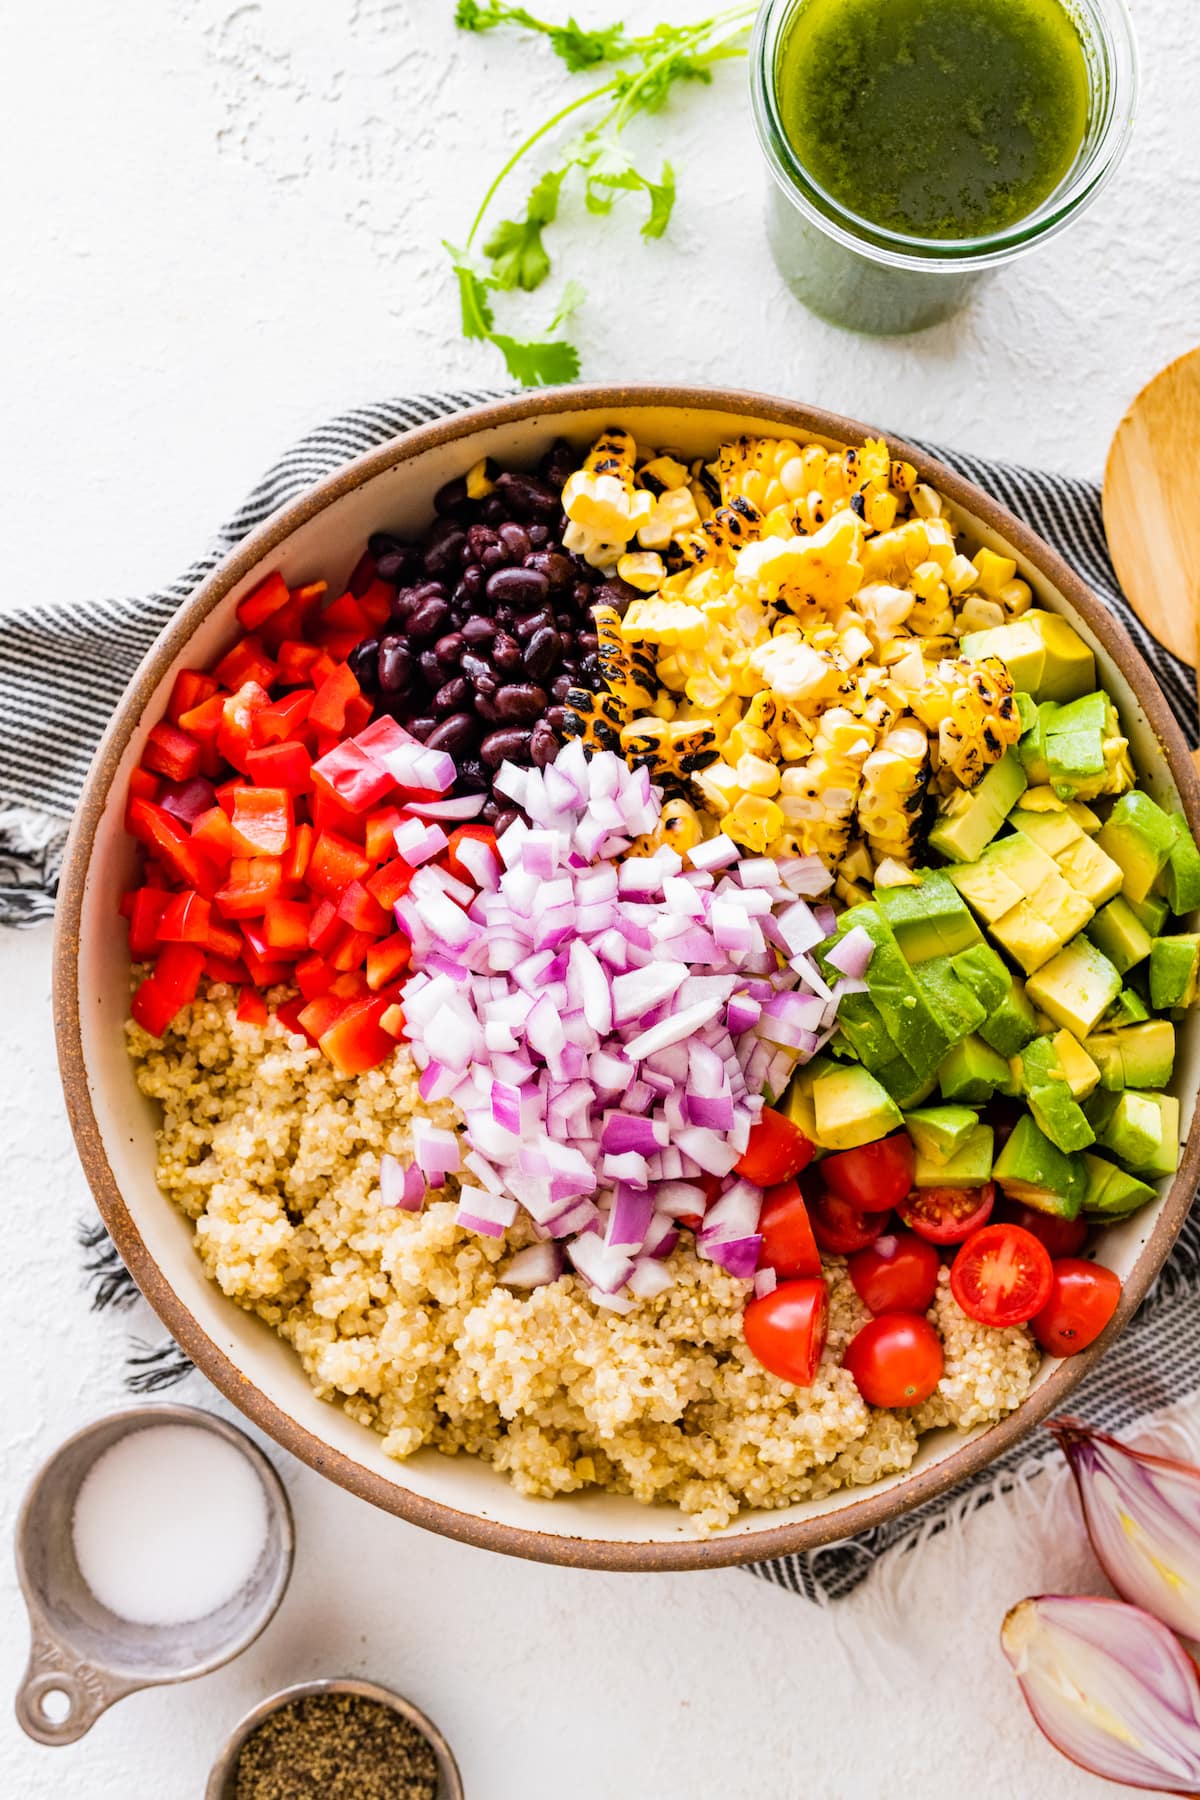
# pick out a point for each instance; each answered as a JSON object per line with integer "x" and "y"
{"x": 63, "y": 668}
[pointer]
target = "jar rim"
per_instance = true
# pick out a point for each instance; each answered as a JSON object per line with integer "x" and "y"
{"x": 1107, "y": 27}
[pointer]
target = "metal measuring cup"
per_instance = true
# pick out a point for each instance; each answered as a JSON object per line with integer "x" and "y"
{"x": 84, "y": 1657}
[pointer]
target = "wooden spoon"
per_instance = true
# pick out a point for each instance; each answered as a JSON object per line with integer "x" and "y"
{"x": 1152, "y": 507}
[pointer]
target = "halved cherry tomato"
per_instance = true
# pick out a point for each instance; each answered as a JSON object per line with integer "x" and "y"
{"x": 947, "y": 1215}
{"x": 896, "y": 1360}
{"x": 1062, "y": 1237}
{"x": 875, "y": 1176}
{"x": 777, "y": 1150}
{"x": 840, "y": 1227}
{"x": 1002, "y": 1276}
{"x": 897, "y": 1273}
{"x": 786, "y": 1329}
{"x": 788, "y": 1244}
{"x": 1083, "y": 1298}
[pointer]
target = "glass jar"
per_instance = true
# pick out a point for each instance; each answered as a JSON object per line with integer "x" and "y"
{"x": 870, "y": 279}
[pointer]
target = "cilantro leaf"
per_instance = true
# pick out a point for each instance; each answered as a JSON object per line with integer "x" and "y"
{"x": 477, "y": 316}
{"x": 570, "y": 300}
{"x": 610, "y": 172}
{"x": 578, "y": 47}
{"x": 519, "y": 257}
{"x": 552, "y": 364}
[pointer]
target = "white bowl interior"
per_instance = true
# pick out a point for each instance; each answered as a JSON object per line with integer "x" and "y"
{"x": 328, "y": 546}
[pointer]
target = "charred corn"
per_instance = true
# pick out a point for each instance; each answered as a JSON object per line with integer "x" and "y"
{"x": 895, "y": 788}
{"x": 820, "y": 796}
{"x": 972, "y": 709}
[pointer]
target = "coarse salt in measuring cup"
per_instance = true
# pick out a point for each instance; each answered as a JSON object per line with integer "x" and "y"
{"x": 169, "y": 1524}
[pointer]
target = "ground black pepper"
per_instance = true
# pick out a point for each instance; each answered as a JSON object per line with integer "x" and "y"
{"x": 336, "y": 1747}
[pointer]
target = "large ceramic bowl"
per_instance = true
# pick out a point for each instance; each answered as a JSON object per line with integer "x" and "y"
{"x": 321, "y": 535}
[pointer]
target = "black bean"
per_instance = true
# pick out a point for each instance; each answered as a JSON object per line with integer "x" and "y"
{"x": 494, "y": 510}
{"x": 506, "y": 653}
{"x": 386, "y": 543}
{"x": 566, "y": 622}
{"x": 491, "y": 812}
{"x": 543, "y": 745}
{"x": 493, "y": 558}
{"x": 400, "y": 564}
{"x": 472, "y": 584}
{"x": 612, "y": 591}
{"x": 448, "y": 649}
{"x": 589, "y": 669}
{"x": 485, "y": 704}
{"x": 475, "y": 668}
{"x": 480, "y": 538}
{"x": 556, "y": 718}
{"x": 586, "y": 640}
{"x": 542, "y": 652}
{"x": 581, "y": 594}
{"x": 560, "y": 687}
{"x": 509, "y": 745}
{"x": 518, "y": 587}
{"x": 478, "y": 630}
{"x": 504, "y": 616}
{"x": 569, "y": 667}
{"x": 446, "y": 557}
{"x": 452, "y": 696}
{"x": 452, "y": 495}
{"x": 473, "y": 778}
{"x": 454, "y": 735}
{"x": 395, "y": 665}
{"x": 539, "y": 536}
{"x": 515, "y": 539}
{"x": 421, "y": 727}
{"x": 521, "y": 700}
{"x": 429, "y": 620}
{"x": 364, "y": 664}
{"x": 559, "y": 462}
{"x": 527, "y": 496}
{"x": 431, "y": 668}
{"x": 553, "y": 565}
{"x": 507, "y": 816}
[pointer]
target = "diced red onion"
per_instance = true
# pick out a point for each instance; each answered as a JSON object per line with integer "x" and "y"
{"x": 738, "y": 1256}
{"x": 533, "y": 1267}
{"x": 459, "y": 806}
{"x": 483, "y": 1212}
{"x": 649, "y": 1278}
{"x": 765, "y": 1282}
{"x": 716, "y": 853}
{"x": 401, "y": 1186}
{"x": 852, "y": 954}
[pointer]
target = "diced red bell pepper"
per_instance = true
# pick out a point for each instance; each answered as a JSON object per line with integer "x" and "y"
{"x": 334, "y": 864}
{"x": 289, "y": 1016}
{"x": 482, "y": 834}
{"x": 256, "y": 607}
{"x": 169, "y": 841}
{"x": 362, "y": 911}
{"x": 340, "y": 645}
{"x": 192, "y": 687}
{"x": 352, "y": 985}
{"x": 382, "y": 735}
{"x": 328, "y": 814}
{"x": 358, "y": 714}
{"x": 234, "y": 739}
{"x": 256, "y": 948}
{"x": 170, "y": 987}
{"x": 363, "y": 574}
{"x": 356, "y": 1041}
{"x": 144, "y": 914}
{"x": 262, "y": 821}
{"x": 172, "y": 752}
{"x": 295, "y": 863}
{"x": 187, "y": 800}
{"x": 379, "y": 840}
{"x": 265, "y": 972}
{"x": 345, "y": 614}
{"x": 251, "y": 1007}
{"x": 251, "y": 882}
{"x": 125, "y": 903}
{"x": 214, "y": 835}
{"x": 144, "y": 784}
{"x": 325, "y": 928}
{"x": 329, "y": 703}
{"x": 285, "y": 926}
{"x": 388, "y": 960}
{"x": 227, "y": 790}
{"x": 393, "y": 1020}
{"x": 283, "y": 719}
{"x": 297, "y": 621}
{"x": 224, "y": 940}
{"x": 225, "y": 968}
{"x": 390, "y": 883}
{"x": 376, "y": 602}
{"x": 351, "y": 953}
{"x": 354, "y": 781}
{"x": 314, "y": 975}
{"x": 285, "y": 765}
{"x": 184, "y": 920}
{"x": 296, "y": 661}
{"x": 247, "y": 661}
{"x": 319, "y": 1014}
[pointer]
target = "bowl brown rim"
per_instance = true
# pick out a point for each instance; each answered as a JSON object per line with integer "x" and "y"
{"x": 489, "y": 1534}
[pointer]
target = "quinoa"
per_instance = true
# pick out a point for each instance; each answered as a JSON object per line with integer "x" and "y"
{"x": 401, "y": 1318}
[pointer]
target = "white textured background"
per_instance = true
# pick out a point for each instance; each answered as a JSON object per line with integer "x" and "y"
{"x": 221, "y": 222}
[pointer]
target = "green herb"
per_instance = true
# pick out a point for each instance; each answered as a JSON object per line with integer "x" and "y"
{"x": 513, "y": 255}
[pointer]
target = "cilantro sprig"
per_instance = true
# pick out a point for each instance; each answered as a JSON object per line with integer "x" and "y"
{"x": 643, "y": 71}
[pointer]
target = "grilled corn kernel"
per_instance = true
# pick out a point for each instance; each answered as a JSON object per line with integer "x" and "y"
{"x": 890, "y": 873}
{"x": 674, "y": 514}
{"x": 613, "y": 453}
{"x": 753, "y": 822}
{"x": 977, "y": 614}
{"x": 895, "y": 781}
{"x": 926, "y": 501}
{"x": 479, "y": 479}
{"x": 972, "y": 709}
{"x": 643, "y": 570}
{"x": 961, "y": 575}
{"x": 1015, "y": 597}
{"x": 880, "y": 511}
{"x": 993, "y": 570}
{"x": 662, "y": 473}
{"x": 757, "y": 776}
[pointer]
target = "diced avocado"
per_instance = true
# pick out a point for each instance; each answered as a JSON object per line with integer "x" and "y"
{"x": 798, "y": 1107}
{"x": 1044, "y": 655}
{"x": 969, "y": 818}
{"x": 1180, "y": 879}
{"x": 955, "y": 1006}
{"x": 1012, "y": 1023}
{"x": 1129, "y": 1008}
{"x": 1111, "y": 1193}
{"x": 1100, "y": 1108}
{"x": 851, "y": 1108}
{"x": 1139, "y": 836}
{"x": 1174, "y": 970}
{"x": 1033, "y": 1170}
{"x": 1037, "y": 929}
{"x": 986, "y": 974}
{"x": 1062, "y": 1059}
{"x": 1091, "y": 871}
{"x": 988, "y": 888}
{"x": 1104, "y": 1048}
{"x": 970, "y": 1166}
{"x": 1141, "y": 1056}
{"x": 906, "y": 1088}
{"x": 863, "y": 1028}
{"x": 930, "y": 919}
{"x": 972, "y": 1072}
{"x": 1087, "y": 820}
{"x": 1076, "y": 987}
{"x": 1031, "y": 750}
{"x": 938, "y": 1132}
{"x": 911, "y": 1023}
{"x": 1052, "y": 831}
{"x": 1143, "y": 1133}
{"x": 1151, "y": 912}
{"x": 1120, "y": 934}
{"x": 1061, "y": 1117}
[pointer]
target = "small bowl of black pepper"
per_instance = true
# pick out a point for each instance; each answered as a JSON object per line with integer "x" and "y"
{"x": 337, "y": 1739}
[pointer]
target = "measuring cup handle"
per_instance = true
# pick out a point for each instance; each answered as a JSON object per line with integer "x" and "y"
{"x": 88, "y": 1691}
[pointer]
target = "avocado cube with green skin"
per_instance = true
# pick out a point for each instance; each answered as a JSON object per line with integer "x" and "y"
{"x": 1044, "y": 655}
{"x": 1139, "y": 836}
{"x": 1012, "y": 1023}
{"x": 1076, "y": 987}
{"x": 1061, "y": 1117}
{"x": 1150, "y": 912}
{"x": 907, "y": 1016}
{"x": 954, "y": 1004}
{"x": 863, "y": 1028}
{"x": 1008, "y": 871}
{"x": 970, "y": 1166}
{"x": 1174, "y": 970}
{"x": 1141, "y": 1056}
{"x": 1143, "y": 1133}
{"x": 1104, "y": 1048}
{"x": 1061, "y": 1059}
{"x": 929, "y": 920}
{"x": 1033, "y": 1170}
{"x": 1128, "y": 1008}
{"x": 1117, "y": 931}
{"x": 1031, "y": 752}
{"x": 1180, "y": 879}
{"x": 906, "y": 1088}
{"x": 968, "y": 819}
{"x": 851, "y": 1108}
{"x": 986, "y": 974}
{"x": 1112, "y": 1193}
{"x": 939, "y": 1132}
{"x": 972, "y": 1072}
{"x": 1037, "y": 929}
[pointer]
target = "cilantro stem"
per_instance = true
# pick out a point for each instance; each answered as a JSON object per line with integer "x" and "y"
{"x": 522, "y": 150}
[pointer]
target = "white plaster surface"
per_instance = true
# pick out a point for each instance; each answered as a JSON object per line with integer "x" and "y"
{"x": 221, "y": 224}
